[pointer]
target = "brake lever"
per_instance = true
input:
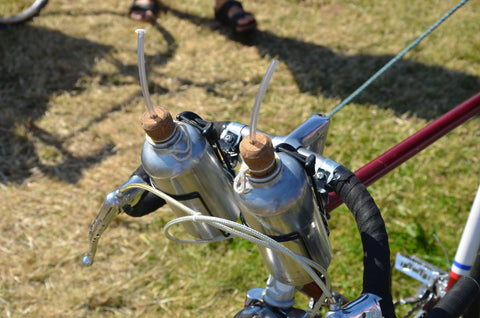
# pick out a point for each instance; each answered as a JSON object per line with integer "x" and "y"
{"x": 116, "y": 202}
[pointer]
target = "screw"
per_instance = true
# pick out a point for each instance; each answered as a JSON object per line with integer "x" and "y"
{"x": 320, "y": 174}
{"x": 229, "y": 139}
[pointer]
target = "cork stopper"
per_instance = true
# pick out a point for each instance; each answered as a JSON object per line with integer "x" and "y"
{"x": 259, "y": 156}
{"x": 159, "y": 127}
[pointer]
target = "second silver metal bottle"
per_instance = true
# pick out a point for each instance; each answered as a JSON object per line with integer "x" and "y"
{"x": 277, "y": 200}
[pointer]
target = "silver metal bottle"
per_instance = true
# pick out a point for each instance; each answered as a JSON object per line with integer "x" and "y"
{"x": 185, "y": 167}
{"x": 281, "y": 205}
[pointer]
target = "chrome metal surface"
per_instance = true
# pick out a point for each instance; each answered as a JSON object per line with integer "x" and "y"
{"x": 232, "y": 133}
{"x": 254, "y": 296}
{"x": 256, "y": 306}
{"x": 366, "y": 306}
{"x": 282, "y": 206}
{"x": 114, "y": 204}
{"x": 186, "y": 168}
{"x": 311, "y": 134}
{"x": 324, "y": 167}
{"x": 418, "y": 269}
{"x": 279, "y": 295}
{"x": 433, "y": 279}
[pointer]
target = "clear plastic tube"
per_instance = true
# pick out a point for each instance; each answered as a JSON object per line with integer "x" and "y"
{"x": 141, "y": 71}
{"x": 259, "y": 99}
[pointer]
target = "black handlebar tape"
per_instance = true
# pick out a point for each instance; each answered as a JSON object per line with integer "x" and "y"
{"x": 376, "y": 251}
{"x": 457, "y": 299}
{"x": 148, "y": 203}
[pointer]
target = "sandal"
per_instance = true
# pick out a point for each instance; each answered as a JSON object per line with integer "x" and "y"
{"x": 146, "y": 12}
{"x": 221, "y": 15}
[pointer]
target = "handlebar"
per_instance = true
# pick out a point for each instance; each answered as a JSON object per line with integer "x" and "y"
{"x": 376, "y": 260}
{"x": 457, "y": 299}
{"x": 307, "y": 140}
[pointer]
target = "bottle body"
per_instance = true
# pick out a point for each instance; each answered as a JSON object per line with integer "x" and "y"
{"x": 185, "y": 167}
{"x": 282, "y": 206}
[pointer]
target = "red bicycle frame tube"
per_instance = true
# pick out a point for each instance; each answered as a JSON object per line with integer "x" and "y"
{"x": 403, "y": 151}
{"x": 409, "y": 147}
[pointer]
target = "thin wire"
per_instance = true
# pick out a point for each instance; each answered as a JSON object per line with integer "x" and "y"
{"x": 395, "y": 59}
{"x": 443, "y": 249}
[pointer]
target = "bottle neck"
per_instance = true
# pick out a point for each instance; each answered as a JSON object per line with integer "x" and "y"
{"x": 265, "y": 172}
{"x": 172, "y": 139}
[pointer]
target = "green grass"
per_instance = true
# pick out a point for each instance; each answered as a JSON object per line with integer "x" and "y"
{"x": 69, "y": 133}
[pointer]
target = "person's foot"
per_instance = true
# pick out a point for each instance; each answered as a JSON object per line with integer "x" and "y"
{"x": 231, "y": 13}
{"x": 143, "y": 10}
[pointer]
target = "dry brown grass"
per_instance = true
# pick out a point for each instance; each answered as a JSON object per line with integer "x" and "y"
{"x": 69, "y": 133}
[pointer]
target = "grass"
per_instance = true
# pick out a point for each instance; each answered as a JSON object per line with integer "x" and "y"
{"x": 70, "y": 133}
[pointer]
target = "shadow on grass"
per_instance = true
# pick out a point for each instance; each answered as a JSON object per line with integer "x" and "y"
{"x": 408, "y": 87}
{"x": 31, "y": 72}
{"x": 36, "y": 63}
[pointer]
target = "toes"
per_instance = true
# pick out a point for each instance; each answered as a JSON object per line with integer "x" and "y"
{"x": 142, "y": 15}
